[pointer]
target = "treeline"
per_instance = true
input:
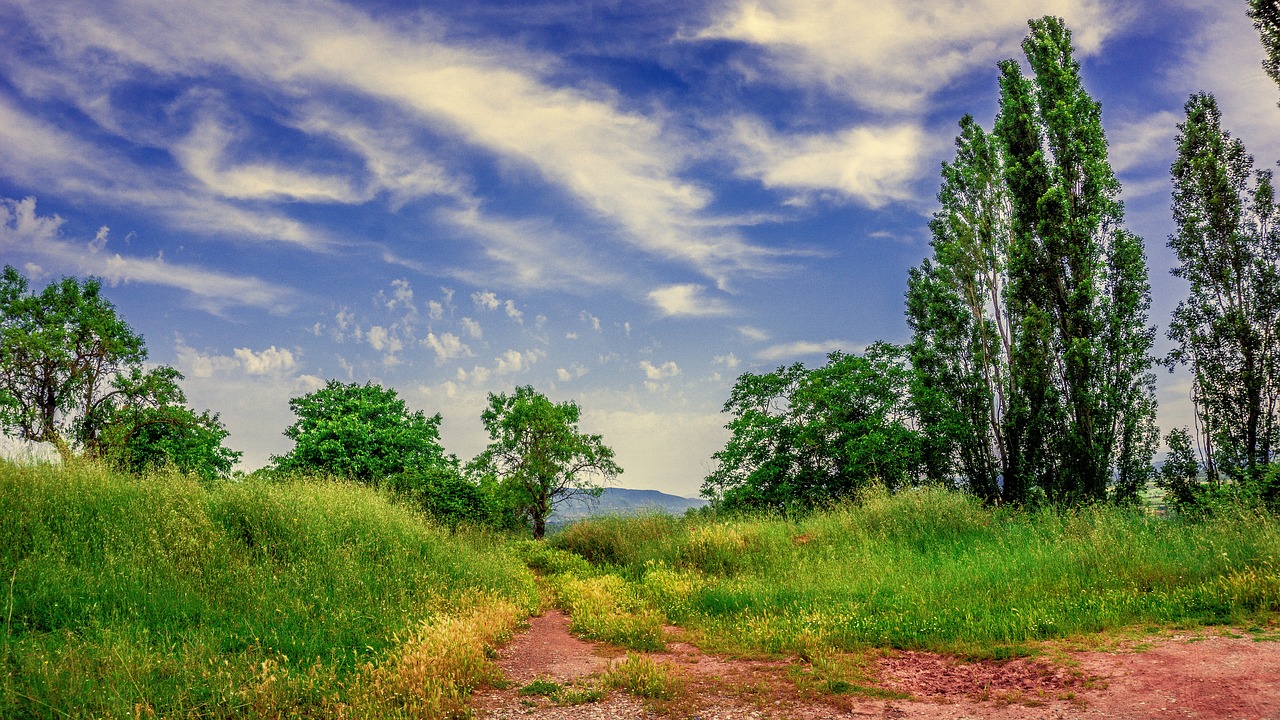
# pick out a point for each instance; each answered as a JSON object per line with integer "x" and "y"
{"x": 1029, "y": 376}
{"x": 73, "y": 375}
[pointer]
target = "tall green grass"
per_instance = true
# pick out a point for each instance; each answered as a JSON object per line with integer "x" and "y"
{"x": 126, "y": 597}
{"x": 934, "y": 569}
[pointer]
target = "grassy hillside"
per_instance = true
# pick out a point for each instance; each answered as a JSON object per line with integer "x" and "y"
{"x": 921, "y": 569}
{"x": 127, "y": 597}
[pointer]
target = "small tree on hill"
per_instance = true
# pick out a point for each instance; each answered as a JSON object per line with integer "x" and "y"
{"x": 72, "y": 376}
{"x": 539, "y": 455}
{"x": 802, "y": 438}
{"x": 361, "y": 432}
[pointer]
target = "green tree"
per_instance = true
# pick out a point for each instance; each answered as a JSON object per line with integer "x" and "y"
{"x": 539, "y": 455}
{"x": 143, "y": 423}
{"x": 1083, "y": 409}
{"x": 1032, "y": 315}
{"x": 1266, "y": 18}
{"x": 802, "y": 438}
{"x": 961, "y": 345}
{"x": 1228, "y": 248}
{"x": 1180, "y": 475}
{"x": 363, "y": 433}
{"x": 59, "y": 352}
{"x": 71, "y": 375}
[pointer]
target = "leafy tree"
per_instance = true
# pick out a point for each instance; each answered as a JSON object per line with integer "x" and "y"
{"x": 1228, "y": 247}
{"x": 801, "y": 438}
{"x": 144, "y": 423}
{"x": 59, "y": 351}
{"x": 451, "y": 498}
{"x": 539, "y": 455}
{"x": 1266, "y": 18}
{"x": 71, "y": 375}
{"x": 1032, "y": 315}
{"x": 1180, "y": 475}
{"x": 962, "y": 337}
{"x": 363, "y": 433}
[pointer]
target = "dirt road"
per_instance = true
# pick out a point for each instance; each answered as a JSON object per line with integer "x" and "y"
{"x": 1212, "y": 674}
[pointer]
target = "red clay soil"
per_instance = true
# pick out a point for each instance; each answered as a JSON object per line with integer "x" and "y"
{"x": 1208, "y": 675}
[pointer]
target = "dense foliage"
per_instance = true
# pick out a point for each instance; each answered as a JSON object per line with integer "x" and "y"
{"x": 72, "y": 375}
{"x": 1266, "y": 17}
{"x": 1031, "y": 334}
{"x": 1226, "y": 331}
{"x": 803, "y": 438}
{"x": 360, "y": 432}
{"x": 539, "y": 456}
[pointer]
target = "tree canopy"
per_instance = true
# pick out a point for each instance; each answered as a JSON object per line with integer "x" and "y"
{"x": 1030, "y": 323}
{"x": 72, "y": 375}
{"x": 360, "y": 432}
{"x": 539, "y": 455}
{"x": 1227, "y": 331}
{"x": 802, "y": 438}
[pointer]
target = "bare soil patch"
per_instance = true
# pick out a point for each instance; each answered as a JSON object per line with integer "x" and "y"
{"x": 1209, "y": 675}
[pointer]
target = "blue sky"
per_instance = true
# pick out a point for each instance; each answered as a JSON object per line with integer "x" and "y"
{"x": 626, "y": 204}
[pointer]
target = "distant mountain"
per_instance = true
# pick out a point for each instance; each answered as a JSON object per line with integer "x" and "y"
{"x": 620, "y": 501}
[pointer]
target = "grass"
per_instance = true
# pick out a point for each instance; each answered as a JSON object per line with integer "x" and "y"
{"x": 163, "y": 596}
{"x": 931, "y": 569}
{"x": 129, "y": 597}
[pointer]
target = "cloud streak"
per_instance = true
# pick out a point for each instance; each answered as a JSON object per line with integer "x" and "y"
{"x": 23, "y": 229}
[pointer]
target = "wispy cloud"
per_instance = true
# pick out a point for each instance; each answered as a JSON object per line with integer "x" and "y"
{"x": 23, "y": 229}
{"x": 622, "y": 167}
{"x": 894, "y": 56}
{"x": 42, "y": 156}
{"x": 805, "y": 348}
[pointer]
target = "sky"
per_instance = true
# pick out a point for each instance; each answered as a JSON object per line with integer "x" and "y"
{"x": 623, "y": 203}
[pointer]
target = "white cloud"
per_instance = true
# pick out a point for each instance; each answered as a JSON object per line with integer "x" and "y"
{"x": 203, "y": 154}
{"x": 486, "y": 300}
{"x": 1143, "y": 144}
{"x": 401, "y": 295}
{"x": 573, "y": 372}
{"x": 514, "y": 361}
{"x": 381, "y": 338}
{"x": 447, "y": 346}
{"x": 513, "y": 312}
{"x": 664, "y": 371}
{"x": 730, "y": 361}
{"x": 23, "y": 230}
{"x": 271, "y": 361}
{"x": 623, "y": 168}
{"x": 688, "y": 300}
{"x": 534, "y": 253}
{"x": 472, "y": 328}
{"x": 874, "y": 165}
{"x": 590, "y": 319}
{"x": 802, "y": 348}
{"x": 195, "y": 364}
{"x": 1224, "y": 57}
{"x": 753, "y": 333}
{"x": 47, "y": 158}
{"x": 894, "y": 56}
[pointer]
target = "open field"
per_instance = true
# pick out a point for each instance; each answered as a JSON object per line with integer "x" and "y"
{"x": 127, "y": 597}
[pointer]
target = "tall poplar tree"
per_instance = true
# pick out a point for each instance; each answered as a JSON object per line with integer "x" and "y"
{"x": 962, "y": 338}
{"x": 1036, "y": 300}
{"x": 1228, "y": 247}
{"x": 1266, "y": 18}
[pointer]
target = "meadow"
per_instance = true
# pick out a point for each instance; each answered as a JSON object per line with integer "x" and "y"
{"x": 165, "y": 596}
{"x": 162, "y": 596}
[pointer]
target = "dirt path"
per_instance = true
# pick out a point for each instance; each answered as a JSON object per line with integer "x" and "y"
{"x": 1210, "y": 675}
